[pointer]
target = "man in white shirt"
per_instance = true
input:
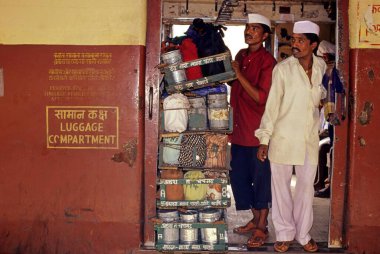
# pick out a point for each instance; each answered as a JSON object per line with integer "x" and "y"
{"x": 290, "y": 127}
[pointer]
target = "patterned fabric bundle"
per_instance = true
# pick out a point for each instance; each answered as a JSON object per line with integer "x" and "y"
{"x": 216, "y": 150}
{"x": 193, "y": 151}
{"x": 214, "y": 191}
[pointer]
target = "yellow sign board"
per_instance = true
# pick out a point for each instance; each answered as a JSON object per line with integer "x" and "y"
{"x": 365, "y": 24}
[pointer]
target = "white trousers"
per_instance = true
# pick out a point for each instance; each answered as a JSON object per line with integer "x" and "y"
{"x": 293, "y": 217}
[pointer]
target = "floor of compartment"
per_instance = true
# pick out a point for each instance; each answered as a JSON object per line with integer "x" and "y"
{"x": 319, "y": 231}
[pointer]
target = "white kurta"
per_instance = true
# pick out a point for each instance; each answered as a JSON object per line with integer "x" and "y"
{"x": 291, "y": 119}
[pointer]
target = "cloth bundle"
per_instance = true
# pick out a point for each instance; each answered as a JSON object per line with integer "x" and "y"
{"x": 193, "y": 151}
{"x": 175, "y": 112}
{"x": 174, "y": 192}
{"x": 216, "y": 150}
{"x": 170, "y": 151}
{"x": 194, "y": 191}
{"x": 214, "y": 191}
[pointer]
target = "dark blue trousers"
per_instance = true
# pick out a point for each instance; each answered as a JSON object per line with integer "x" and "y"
{"x": 250, "y": 178}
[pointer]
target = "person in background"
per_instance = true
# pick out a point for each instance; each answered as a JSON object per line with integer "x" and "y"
{"x": 290, "y": 127}
{"x": 250, "y": 178}
{"x": 329, "y": 115}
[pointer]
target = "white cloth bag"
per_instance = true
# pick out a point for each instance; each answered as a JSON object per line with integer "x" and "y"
{"x": 175, "y": 112}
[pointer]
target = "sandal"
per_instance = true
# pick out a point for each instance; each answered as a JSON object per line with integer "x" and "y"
{"x": 257, "y": 239}
{"x": 250, "y": 226}
{"x": 281, "y": 246}
{"x": 311, "y": 246}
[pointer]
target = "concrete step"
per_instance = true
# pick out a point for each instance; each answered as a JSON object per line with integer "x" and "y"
{"x": 268, "y": 248}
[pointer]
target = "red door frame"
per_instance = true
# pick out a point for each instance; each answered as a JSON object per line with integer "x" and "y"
{"x": 340, "y": 161}
{"x": 152, "y": 79}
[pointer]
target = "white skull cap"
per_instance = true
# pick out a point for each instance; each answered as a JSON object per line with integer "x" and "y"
{"x": 305, "y": 27}
{"x": 326, "y": 47}
{"x": 258, "y": 18}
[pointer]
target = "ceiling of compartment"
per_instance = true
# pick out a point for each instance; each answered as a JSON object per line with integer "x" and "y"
{"x": 235, "y": 11}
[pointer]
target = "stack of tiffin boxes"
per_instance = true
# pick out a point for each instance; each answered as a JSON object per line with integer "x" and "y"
{"x": 193, "y": 171}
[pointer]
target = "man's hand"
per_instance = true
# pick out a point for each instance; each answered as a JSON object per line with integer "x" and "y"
{"x": 235, "y": 66}
{"x": 262, "y": 153}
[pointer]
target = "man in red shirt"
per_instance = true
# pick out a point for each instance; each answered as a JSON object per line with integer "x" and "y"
{"x": 251, "y": 178}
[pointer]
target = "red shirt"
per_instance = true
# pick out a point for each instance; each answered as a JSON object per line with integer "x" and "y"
{"x": 257, "y": 68}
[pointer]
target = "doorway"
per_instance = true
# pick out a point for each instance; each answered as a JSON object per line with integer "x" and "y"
{"x": 320, "y": 231}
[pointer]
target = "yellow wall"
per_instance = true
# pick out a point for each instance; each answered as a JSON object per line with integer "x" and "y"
{"x": 364, "y": 18}
{"x": 73, "y": 22}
